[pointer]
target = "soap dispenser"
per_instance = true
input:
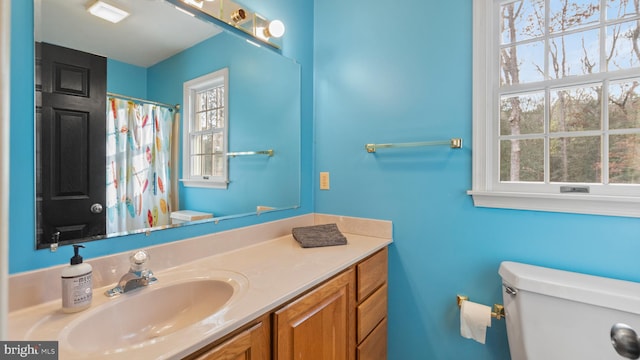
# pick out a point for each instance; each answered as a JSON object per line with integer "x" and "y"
{"x": 77, "y": 284}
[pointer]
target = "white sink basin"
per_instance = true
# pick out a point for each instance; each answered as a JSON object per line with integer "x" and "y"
{"x": 145, "y": 316}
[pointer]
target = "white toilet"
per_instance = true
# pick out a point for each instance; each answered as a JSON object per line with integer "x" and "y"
{"x": 553, "y": 314}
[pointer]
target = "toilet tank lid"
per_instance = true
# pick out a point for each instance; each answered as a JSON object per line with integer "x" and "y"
{"x": 590, "y": 289}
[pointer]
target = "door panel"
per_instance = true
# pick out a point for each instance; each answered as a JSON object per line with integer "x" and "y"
{"x": 72, "y": 134}
{"x": 319, "y": 325}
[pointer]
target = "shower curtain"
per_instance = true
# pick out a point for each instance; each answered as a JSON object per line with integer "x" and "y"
{"x": 138, "y": 165}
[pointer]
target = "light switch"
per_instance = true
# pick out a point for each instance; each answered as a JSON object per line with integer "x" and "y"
{"x": 324, "y": 180}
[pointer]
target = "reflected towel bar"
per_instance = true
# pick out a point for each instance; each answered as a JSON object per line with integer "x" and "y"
{"x": 245, "y": 153}
{"x": 498, "y": 309}
{"x": 455, "y": 143}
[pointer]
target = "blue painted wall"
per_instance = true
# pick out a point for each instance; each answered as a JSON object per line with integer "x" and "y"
{"x": 126, "y": 79}
{"x": 381, "y": 76}
{"x": 401, "y": 71}
{"x": 263, "y": 113}
{"x": 297, "y": 45}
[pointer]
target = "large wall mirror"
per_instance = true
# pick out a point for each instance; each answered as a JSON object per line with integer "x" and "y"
{"x": 90, "y": 71}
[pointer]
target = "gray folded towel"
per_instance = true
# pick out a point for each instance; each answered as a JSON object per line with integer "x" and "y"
{"x": 319, "y": 235}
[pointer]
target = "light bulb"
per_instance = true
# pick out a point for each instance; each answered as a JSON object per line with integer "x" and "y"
{"x": 275, "y": 29}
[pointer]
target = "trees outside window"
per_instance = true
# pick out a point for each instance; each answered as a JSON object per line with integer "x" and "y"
{"x": 557, "y": 98}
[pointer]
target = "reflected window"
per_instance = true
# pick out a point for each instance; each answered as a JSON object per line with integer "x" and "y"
{"x": 205, "y": 131}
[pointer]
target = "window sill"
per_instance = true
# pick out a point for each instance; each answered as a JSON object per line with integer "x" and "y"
{"x": 567, "y": 203}
{"x": 204, "y": 184}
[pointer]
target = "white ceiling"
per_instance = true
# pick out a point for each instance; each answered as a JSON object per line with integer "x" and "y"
{"x": 154, "y": 31}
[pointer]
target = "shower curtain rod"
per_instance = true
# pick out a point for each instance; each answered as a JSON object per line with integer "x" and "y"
{"x": 125, "y": 97}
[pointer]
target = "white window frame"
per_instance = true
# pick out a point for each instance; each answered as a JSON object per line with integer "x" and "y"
{"x": 487, "y": 190}
{"x": 190, "y": 88}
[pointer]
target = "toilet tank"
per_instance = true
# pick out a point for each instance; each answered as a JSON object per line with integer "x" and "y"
{"x": 554, "y": 314}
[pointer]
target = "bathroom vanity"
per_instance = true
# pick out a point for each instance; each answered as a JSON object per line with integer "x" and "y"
{"x": 250, "y": 293}
{"x": 324, "y": 323}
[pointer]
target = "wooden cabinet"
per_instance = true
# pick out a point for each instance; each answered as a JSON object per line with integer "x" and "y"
{"x": 374, "y": 347}
{"x": 372, "y": 307}
{"x": 344, "y": 318}
{"x": 320, "y": 325}
{"x": 372, "y": 273}
{"x": 252, "y": 342}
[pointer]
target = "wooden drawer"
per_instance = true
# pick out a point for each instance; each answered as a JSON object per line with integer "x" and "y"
{"x": 250, "y": 344}
{"x": 374, "y": 347}
{"x": 371, "y": 312}
{"x": 372, "y": 273}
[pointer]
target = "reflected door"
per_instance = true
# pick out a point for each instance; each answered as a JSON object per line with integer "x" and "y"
{"x": 70, "y": 148}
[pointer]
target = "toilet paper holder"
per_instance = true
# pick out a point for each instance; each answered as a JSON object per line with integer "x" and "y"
{"x": 498, "y": 309}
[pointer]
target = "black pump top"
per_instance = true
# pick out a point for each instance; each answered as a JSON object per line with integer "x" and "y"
{"x": 76, "y": 259}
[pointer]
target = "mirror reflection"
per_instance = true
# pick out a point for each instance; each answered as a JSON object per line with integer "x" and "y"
{"x": 114, "y": 155}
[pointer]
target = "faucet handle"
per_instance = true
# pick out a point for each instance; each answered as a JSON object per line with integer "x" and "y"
{"x": 138, "y": 259}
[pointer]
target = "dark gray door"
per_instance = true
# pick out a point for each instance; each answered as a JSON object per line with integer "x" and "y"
{"x": 70, "y": 143}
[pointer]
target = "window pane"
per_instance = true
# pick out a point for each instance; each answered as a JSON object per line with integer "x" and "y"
{"x": 522, "y": 64}
{"x": 215, "y": 118}
{"x": 621, "y": 8}
{"x": 522, "y": 160}
{"x": 624, "y": 104}
{"x": 218, "y": 165}
{"x": 201, "y": 101}
{"x": 575, "y": 54}
{"x": 217, "y": 142}
{"x": 624, "y": 159}
{"x": 575, "y": 109}
{"x": 575, "y": 159}
{"x": 207, "y": 165}
{"x": 621, "y": 52}
{"x": 221, "y": 122}
{"x": 567, "y": 15}
{"x": 213, "y": 99}
{"x": 522, "y": 20}
{"x": 212, "y": 117}
{"x": 522, "y": 114}
{"x": 196, "y": 165}
{"x": 207, "y": 144}
{"x": 200, "y": 121}
{"x": 220, "y": 95}
{"x": 196, "y": 144}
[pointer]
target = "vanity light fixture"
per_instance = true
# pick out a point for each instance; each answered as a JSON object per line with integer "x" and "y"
{"x": 197, "y": 3}
{"x": 238, "y": 15}
{"x": 107, "y": 11}
{"x": 275, "y": 29}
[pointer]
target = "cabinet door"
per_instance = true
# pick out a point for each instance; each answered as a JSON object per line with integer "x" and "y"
{"x": 251, "y": 344}
{"x": 319, "y": 325}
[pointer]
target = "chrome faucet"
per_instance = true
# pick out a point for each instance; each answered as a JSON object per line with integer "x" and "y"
{"x": 137, "y": 277}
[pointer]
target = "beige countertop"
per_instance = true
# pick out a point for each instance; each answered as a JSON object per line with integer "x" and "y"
{"x": 272, "y": 273}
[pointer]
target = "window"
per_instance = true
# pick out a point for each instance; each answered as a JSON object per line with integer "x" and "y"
{"x": 556, "y": 112}
{"x": 205, "y": 131}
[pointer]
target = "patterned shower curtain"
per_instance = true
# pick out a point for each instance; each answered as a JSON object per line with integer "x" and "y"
{"x": 138, "y": 165}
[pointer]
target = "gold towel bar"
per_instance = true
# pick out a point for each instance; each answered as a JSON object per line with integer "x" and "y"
{"x": 498, "y": 309}
{"x": 455, "y": 143}
{"x": 245, "y": 153}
